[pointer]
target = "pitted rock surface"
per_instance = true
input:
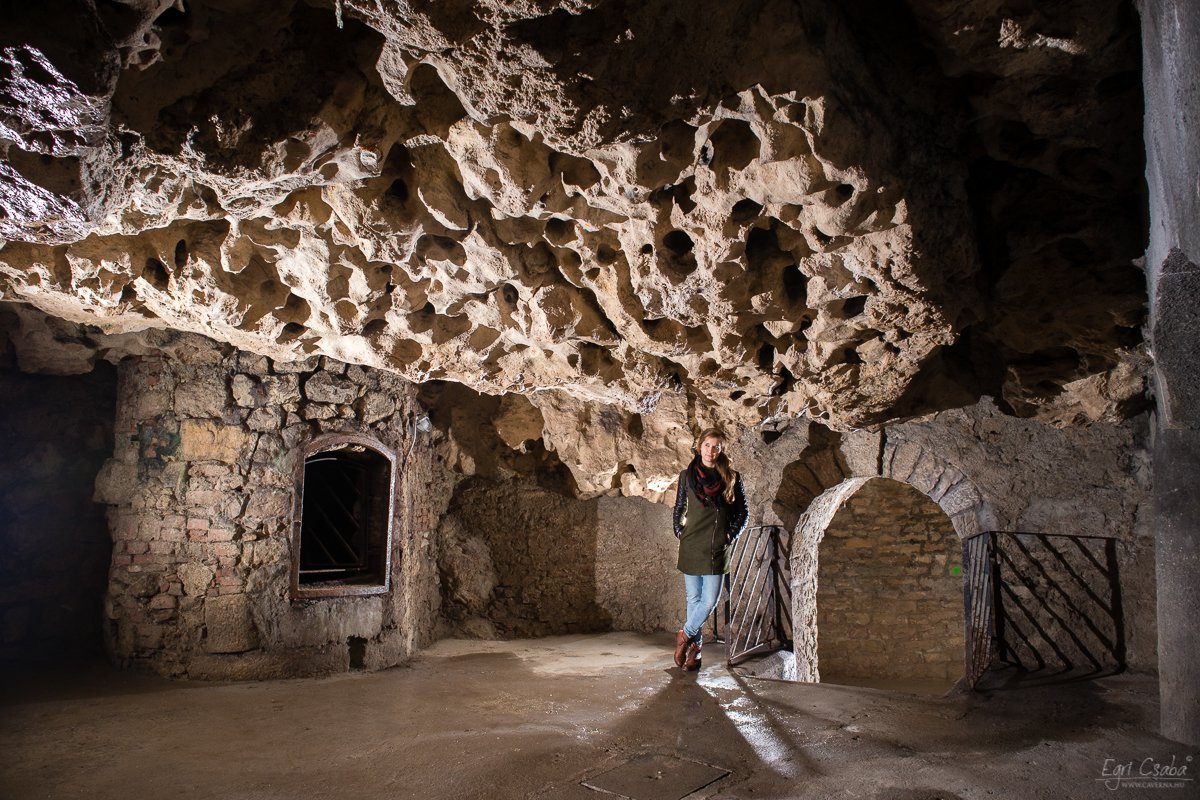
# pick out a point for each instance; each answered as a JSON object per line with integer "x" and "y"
{"x": 729, "y": 211}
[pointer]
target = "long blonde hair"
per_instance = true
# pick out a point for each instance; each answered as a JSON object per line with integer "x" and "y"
{"x": 724, "y": 468}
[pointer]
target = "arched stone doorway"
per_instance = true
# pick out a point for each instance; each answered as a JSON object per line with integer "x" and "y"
{"x": 920, "y": 469}
{"x": 889, "y": 595}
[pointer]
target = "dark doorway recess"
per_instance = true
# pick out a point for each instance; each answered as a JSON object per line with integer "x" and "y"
{"x": 345, "y": 500}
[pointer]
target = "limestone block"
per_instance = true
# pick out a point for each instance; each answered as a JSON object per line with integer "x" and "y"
{"x": 319, "y": 411}
{"x": 196, "y": 579}
{"x": 284, "y": 367}
{"x": 926, "y": 472}
{"x": 904, "y": 461}
{"x": 116, "y": 483}
{"x": 860, "y": 449}
{"x": 320, "y": 624}
{"x": 245, "y": 391}
{"x": 162, "y": 602}
{"x": 253, "y": 363}
{"x": 152, "y": 401}
{"x": 267, "y": 504}
{"x": 203, "y": 396}
{"x": 281, "y": 389}
{"x": 205, "y": 440}
{"x": 265, "y": 419}
{"x": 228, "y": 625}
{"x": 959, "y": 498}
{"x": 376, "y": 406}
{"x": 333, "y": 366}
{"x": 322, "y": 387}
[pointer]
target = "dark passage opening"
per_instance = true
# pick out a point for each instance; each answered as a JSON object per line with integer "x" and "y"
{"x": 345, "y": 522}
{"x": 357, "y": 648}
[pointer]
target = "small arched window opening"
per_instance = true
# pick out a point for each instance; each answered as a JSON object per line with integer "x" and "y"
{"x": 343, "y": 518}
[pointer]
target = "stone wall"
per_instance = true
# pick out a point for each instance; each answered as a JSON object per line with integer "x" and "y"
{"x": 56, "y": 432}
{"x": 520, "y": 560}
{"x": 889, "y": 588}
{"x": 637, "y": 583}
{"x": 988, "y": 471}
{"x": 200, "y": 491}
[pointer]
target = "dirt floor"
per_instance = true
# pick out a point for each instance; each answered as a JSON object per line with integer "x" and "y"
{"x": 574, "y": 717}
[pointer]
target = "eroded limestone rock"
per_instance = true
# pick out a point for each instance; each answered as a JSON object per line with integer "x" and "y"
{"x": 769, "y": 210}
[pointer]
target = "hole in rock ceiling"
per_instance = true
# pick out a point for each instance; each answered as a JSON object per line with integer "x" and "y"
{"x": 399, "y": 190}
{"x": 745, "y": 210}
{"x": 854, "y": 306}
{"x": 795, "y": 285}
{"x": 786, "y": 381}
{"x": 678, "y": 242}
{"x": 766, "y": 357}
{"x": 155, "y": 273}
{"x": 291, "y": 332}
{"x": 734, "y": 146}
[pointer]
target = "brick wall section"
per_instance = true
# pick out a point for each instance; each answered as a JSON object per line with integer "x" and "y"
{"x": 520, "y": 560}
{"x": 537, "y": 550}
{"x": 200, "y": 494}
{"x": 887, "y": 603}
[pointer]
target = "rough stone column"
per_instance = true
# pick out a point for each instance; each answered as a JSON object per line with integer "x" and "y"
{"x": 1171, "y": 54}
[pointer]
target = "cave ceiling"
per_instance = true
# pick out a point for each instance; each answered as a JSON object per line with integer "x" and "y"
{"x": 742, "y": 211}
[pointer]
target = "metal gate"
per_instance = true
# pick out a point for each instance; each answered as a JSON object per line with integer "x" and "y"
{"x": 758, "y": 600}
{"x": 1047, "y": 604}
{"x": 979, "y": 604}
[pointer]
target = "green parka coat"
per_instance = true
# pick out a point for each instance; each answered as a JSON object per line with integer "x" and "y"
{"x": 706, "y": 530}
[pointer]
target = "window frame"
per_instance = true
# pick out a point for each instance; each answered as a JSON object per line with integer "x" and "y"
{"x": 332, "y": 443}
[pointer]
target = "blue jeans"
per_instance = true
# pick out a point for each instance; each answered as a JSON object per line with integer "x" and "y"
{"x": 703, "y": 591}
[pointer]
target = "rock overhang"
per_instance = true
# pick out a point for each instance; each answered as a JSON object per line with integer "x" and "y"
{"x": 740, "y": 212}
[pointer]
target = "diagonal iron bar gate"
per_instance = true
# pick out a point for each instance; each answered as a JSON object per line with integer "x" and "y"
{"x": 758, "y": 601}
{"x": 1048, "y": 604}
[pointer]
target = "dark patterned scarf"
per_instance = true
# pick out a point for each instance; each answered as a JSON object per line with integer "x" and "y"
{"x": 706, "y": 483}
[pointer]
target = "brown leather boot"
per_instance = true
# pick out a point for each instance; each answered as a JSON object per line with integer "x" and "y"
{"x": 681, "y": 646}
{"x": 691, "y": 661}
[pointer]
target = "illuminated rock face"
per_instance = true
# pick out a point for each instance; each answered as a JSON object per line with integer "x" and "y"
{"x": 674, "y": 214}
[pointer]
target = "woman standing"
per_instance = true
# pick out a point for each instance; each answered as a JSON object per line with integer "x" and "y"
{"x": 710, "y": 512}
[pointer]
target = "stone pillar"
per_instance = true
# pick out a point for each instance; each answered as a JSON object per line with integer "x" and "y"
{"x": 1171, "y": 58}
